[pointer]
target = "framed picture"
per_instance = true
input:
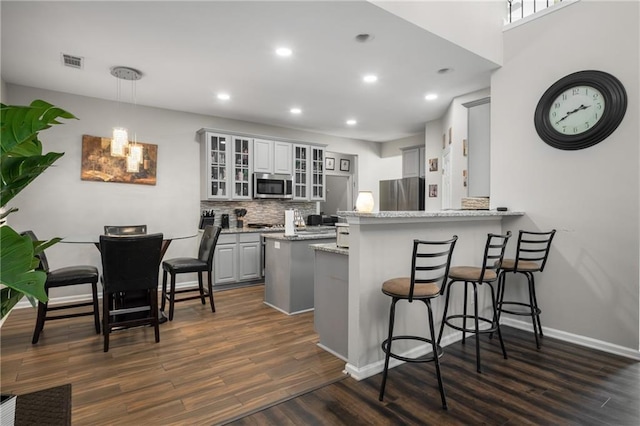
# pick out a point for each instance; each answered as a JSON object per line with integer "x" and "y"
{"x": 465, "y": 147}
{"x": 344, "y": 165}
{"x": 98, "y": 165}
{"x": 433, "y": 191}
{"x": 444, "y": 141}
{"x": 330, "y": 163}
{"x": 433, "y": 164}
{"x": 450, "y": 138}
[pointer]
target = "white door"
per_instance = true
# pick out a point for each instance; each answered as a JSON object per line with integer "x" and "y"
{"x": 338, "y": 195}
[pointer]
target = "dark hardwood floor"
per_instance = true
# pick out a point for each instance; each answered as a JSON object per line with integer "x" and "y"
{"x": 248, "y": 364}
{"x": 561, "y": 384}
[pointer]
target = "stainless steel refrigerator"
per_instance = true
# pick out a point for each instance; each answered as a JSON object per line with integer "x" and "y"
{"x": 402, "y": 194}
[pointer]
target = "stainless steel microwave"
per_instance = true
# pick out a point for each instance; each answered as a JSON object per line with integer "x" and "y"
{"x": 267, "y": 185}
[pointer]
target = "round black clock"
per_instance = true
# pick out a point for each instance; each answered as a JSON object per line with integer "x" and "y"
{"x": 580, "y": 110}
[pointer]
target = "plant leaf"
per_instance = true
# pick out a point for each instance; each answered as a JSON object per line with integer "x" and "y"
{"x": 18, "y": 172}
{"x": 17, "y": 271}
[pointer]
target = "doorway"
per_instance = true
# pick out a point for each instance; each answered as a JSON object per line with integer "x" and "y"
{"x": 339, "y": 196}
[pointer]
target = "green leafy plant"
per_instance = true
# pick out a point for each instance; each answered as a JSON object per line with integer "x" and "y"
{"x": 21, "y": 161}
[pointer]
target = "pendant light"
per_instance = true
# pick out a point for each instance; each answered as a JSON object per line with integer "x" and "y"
{"x": 120, "y": 146}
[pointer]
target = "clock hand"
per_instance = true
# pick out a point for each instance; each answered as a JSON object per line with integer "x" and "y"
{"x": 581, "y": 107}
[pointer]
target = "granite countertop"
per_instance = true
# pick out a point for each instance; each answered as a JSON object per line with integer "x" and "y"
{"x": 428, "y": 214}
{"x": 314, "y": 233}
{"x": 330, "y": 248}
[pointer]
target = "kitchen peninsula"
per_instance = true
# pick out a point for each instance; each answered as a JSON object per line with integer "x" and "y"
{"x": 380, "y": 247}
{"x": 288, "y": 272}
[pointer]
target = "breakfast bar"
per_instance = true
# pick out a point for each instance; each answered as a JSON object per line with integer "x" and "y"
{"x": 380, "y": 245}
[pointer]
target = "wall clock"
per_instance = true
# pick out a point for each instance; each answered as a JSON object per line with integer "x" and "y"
{"x": 580, "y": 110}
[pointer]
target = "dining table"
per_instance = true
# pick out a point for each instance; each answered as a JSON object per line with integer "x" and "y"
{"x": 167, "y": 238}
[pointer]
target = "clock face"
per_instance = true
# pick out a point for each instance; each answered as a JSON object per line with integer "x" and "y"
{"x": 576, "y": 110}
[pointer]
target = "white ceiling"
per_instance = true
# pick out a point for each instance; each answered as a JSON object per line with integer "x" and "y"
{"x": 190, "y": 51}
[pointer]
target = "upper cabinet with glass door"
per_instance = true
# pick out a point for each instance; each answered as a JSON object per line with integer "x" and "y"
{"x": 301, "y": 172}
{"x": 317, "y": 174}
{"x": 241, "y": 178}
{"x": 215, "y": 156}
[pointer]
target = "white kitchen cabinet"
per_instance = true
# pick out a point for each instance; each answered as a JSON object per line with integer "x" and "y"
{"x": 226, "y": 167}
{"x": 272, "y": 157}
{"x": 214, "y": 154}
{"x": 318, "y": 185}
{"x": 413, "y": 162}
{"x": 301, "y": 172}
{"x": 237, "y": 258}
{"x": 225, "y": 260}
{"x": 249, "y": 257}
{"x": 241, "y": 177}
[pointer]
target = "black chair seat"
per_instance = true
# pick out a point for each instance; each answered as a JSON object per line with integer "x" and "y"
{"x": 183, "y": 265}
{"x": 72, "y": 275}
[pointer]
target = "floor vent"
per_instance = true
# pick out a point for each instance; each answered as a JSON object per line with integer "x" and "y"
{"x": 72, "y": 61}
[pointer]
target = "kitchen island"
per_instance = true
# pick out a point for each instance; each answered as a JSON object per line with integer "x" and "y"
{"x": 380, "y": 248}
{"x": 288, "y": 272}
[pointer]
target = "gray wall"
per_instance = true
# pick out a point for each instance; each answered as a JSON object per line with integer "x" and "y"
{"x": 592, "y": 195}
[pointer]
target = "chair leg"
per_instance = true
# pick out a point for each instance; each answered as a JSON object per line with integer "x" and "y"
{"x": 96, "y": 308}
{"x": 154, "y": 313}
{"x": 210, "y": 289}
{"x": 446, "y": 308}
{"x": 436, "y": 359}
{"x": 496, "y": 321}
{"x": 201, "y": 288}
{"x": 42, "y": 315}
{"x": 106, "y": 329}
{"x": 172, "y": 296}
{"x": 477, "y": 323}
{"x": 535, "y": 317}
{"x": 164, "y": 290}
{"x": 392, "y": 314}
{"x": 464, "y": 313}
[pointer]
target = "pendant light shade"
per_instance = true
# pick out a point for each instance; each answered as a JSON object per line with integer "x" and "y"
{"x": 119, "y": 142}
{"x": 120, "y": 146}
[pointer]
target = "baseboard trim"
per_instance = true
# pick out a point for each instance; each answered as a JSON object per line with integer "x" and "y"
{"x": 574, "y": 338}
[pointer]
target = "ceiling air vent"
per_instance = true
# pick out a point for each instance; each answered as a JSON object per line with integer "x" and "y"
{"x": 72, "y": 61}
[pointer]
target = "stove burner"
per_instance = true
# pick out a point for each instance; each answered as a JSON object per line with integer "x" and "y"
{"x": 265, "y": 225}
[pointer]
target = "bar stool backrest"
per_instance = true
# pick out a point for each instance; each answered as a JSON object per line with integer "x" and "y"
{"x": 493, "y": 254}
{"x": 430, "y": 262}
{"x": 208, "y": 244}
{"x": 534, "y": 247}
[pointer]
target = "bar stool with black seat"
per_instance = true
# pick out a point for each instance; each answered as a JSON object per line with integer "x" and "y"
{"x": 429, "y": 268}
{"x": 182, "y": 265}
{"x": 487, "y": 273}
{"x": 64, "y": 277}
{"x": 125, "y": 229}
{"x": 130, "y": 266}
{"x": 531, "y": 256}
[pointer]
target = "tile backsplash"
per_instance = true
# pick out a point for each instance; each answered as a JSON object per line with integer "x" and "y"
{"x": 258, "y": 211}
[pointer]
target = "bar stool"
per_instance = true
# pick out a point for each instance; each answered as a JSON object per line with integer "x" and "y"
{"x": 472, "y": 275}
{"x": 531, "y": 256}
{"x": 429, "y": 268}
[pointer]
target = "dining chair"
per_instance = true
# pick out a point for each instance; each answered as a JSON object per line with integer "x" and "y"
{"x": 474, "y": 276}
{"x": 531, "y": 256}
{"x": 429, "y": 269}
{"x": 130, "y": 265}
{"x": 182, "y": 265}
{"x": 125, "y": 229}
{"x": 63, "y": 277}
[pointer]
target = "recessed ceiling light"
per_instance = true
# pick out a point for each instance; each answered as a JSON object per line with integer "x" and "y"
{"x": 445, "y": 70}
{"x": 224, "y": 96}
{"x": 364, "y": 37}
{"x": 295, "y": 111}
{"x": 352, "y": 122}
{"x": 431, "y": 97}
{"x": 370, "y": 78}
{"x": 283, "y": 51}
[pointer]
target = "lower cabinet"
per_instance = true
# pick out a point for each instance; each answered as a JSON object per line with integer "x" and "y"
{"x": 237, "y": 258}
